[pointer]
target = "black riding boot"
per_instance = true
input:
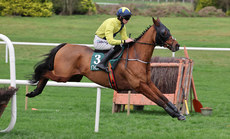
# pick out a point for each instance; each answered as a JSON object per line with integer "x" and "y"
{"x": 108, "y": 56}
{"x": 173, "y": 114}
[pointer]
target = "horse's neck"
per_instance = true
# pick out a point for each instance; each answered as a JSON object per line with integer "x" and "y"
{"x": 145, "y": 51}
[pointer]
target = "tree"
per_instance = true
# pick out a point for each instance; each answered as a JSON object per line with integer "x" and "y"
{"x": 223, "y": 4}
{"x": 68, "y": 7}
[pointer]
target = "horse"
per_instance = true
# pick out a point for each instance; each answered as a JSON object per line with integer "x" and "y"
{"x": 68, "y": 62}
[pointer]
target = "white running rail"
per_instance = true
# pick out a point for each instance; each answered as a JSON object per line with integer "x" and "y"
{"x": 10, "y": 47}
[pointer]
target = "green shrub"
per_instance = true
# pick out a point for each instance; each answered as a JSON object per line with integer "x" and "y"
{"x": 86, "y": 6}
{"x": 211, "y": 11}
{"x": 228, "y": 13}
{"x": 67, "y": 7}
{"x": 204, "y": 3}
{"x": 26, "y": 7}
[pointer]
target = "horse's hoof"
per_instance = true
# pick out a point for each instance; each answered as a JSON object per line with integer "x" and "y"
{"x": 181, "y": 118}
{"x": 31, "y": 94}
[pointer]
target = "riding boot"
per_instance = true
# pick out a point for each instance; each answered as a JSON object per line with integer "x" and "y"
{"x": 108, "y": 56}
{"x": 173, "y": 114}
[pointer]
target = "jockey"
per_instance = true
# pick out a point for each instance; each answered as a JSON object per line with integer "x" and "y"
{"x": 104, "y": 38}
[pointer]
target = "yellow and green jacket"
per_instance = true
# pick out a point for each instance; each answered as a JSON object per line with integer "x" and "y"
{"x": 108, "y": 28}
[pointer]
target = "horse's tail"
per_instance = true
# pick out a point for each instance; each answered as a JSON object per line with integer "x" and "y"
{"x": 47, "y": 64}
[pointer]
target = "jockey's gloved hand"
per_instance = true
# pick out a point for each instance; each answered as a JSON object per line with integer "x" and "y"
{"x": 129, "y": 40}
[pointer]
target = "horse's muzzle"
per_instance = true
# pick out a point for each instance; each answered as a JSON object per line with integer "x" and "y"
{"x": 175, "y": 48}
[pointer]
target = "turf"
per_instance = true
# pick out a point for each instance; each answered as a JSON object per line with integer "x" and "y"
{"x": 193, "y": 32}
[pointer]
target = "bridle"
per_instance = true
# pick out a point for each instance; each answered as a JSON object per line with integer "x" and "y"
{"x": 162, "y": 44}
{"x": 160, "y": 40}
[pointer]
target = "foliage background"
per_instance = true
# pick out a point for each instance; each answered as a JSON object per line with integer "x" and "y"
{"x": 46, "y": 8}
{"x": 38, "y": 8}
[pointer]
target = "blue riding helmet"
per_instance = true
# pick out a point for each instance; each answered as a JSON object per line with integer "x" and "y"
{"x": 124, "y": 12}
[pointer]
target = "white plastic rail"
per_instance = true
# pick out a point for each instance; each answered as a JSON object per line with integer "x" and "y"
{"x": 10, "y": 47}
{"x": 69, "y": 84}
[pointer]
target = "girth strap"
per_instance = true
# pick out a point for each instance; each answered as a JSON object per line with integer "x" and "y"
{"x": 112, "y": 80}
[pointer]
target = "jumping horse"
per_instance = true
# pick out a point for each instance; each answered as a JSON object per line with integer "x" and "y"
{"x": 68, "y": 62}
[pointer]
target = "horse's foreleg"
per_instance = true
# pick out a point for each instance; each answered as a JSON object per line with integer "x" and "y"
{"x": 158, "y": 92}
{"x": 161, "y": 95}
{"x": 147, "y": 91}
{"x": 40, "y": 86}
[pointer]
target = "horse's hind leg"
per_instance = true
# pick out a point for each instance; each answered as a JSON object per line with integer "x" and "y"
{"x": 40, "y": 86}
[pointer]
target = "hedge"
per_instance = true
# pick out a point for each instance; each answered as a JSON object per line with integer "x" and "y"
{"x": 40, "y": 8}
{"x": 204, "y": 3}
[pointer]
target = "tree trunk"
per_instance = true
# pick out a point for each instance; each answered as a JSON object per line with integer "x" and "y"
{"x": 67, "y": 7}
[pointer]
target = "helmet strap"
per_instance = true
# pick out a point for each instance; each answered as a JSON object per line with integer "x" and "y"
{"x": 120, "y": 18}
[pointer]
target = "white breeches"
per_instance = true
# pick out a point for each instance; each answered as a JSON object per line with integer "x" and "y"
{"x": 101, "y": 44}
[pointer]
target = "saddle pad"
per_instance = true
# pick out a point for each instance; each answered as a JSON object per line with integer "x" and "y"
{"x": 96, "y": 59}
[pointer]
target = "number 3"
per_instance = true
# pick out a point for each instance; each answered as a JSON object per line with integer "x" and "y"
{"x": 98, "y": 59}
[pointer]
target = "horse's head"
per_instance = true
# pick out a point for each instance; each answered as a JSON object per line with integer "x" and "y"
{"x": 164, "y": 37}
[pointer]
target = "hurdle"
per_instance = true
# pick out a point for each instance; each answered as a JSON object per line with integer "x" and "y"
{"x": 180, "y": 84}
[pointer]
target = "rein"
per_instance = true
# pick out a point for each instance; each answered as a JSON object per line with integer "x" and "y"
{"x": 153, "y": 44}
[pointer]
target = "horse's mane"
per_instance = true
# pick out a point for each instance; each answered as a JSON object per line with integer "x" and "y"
{"x": 136, "y": 39}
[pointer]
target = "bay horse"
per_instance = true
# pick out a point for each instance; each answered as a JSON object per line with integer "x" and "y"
{"x": 68, "y": 62}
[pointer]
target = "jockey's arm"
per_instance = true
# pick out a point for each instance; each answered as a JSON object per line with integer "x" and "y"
{"x": 109, "y": 36}
{"x": 124, "y": 36}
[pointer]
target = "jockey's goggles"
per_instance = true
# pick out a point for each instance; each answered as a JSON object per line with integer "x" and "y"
{"x": 127, "y": 17}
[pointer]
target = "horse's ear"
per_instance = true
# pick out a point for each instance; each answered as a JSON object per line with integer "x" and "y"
{"x": 156, "y": 21}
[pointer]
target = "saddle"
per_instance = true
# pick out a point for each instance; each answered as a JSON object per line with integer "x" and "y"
{"x": 112, "y": 63}
{"x": 99, "y": 54}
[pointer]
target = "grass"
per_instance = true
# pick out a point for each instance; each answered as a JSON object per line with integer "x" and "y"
{"x": 193, "y": 32}
{"x": 67, "y": 112}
